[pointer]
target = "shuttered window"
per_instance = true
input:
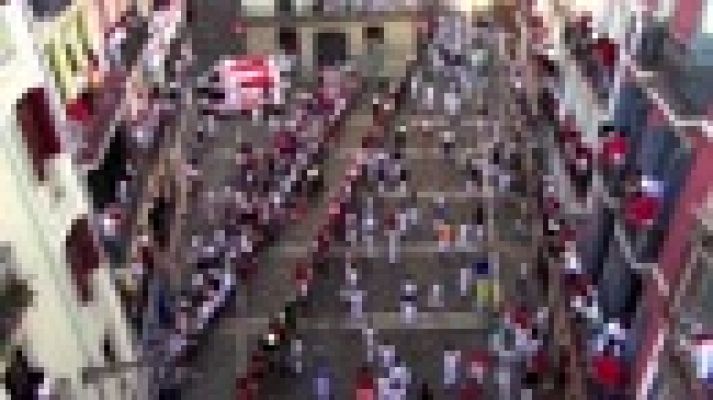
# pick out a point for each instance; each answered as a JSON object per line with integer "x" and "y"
{"x": 82, "y": 257}
{"x": 38, "y": 129}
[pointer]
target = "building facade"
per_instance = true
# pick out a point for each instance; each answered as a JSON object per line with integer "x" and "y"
{"x": 73, "y": 323}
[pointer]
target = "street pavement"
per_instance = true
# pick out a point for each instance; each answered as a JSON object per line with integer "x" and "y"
{"x": 328, "y": 333}
{"x": 327, "y": 330}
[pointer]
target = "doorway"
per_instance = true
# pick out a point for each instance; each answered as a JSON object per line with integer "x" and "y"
{"x": 331, "y": 48}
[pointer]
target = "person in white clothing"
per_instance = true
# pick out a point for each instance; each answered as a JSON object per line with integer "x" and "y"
{"x": 393, "y": 238}
{"x": 387, "y": 355}
{"x": 435, "y": 299}
{"x": 368, "y": 334}
{"x": 399, "y": 379}
{"x": 430, "y": 97}
{"x": 463, "y": 236}
{"x": 464, "y": 280}
{"x": 448, "y": 142}
{"x": 451, "y": 363}
{"x": 408, "y": 302}
{"x": 402, "y": 221}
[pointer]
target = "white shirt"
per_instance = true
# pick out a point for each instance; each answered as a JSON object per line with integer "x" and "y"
{"x": 451, "y": 361}
{"x": 392, "y": 247}
{"x": 413, "y": 214}
{"x": 387, "y": 355}
{"x": 464, "y": 280}
{"x": 703, "y": 358}
{"x": 402, "y": 221}
{"x": 463, "y": 235}
{"x": 436, "y": 298}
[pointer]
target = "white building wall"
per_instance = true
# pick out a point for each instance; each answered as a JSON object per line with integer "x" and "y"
{"x": 60, "y": 335}
{"x": 258, "y": 8}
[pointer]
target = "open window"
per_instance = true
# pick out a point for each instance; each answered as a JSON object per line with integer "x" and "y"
{"x": 374, "y": 34}
{"x": 288, "y": 40}
{"x": 22, "y": 380}
{"x": 48, "y": 8}
{"x": 38, "y": 128}
{"x": 83, "y": 257}
{"x": 15, "y": 295}
{"x": 108, "y": 349}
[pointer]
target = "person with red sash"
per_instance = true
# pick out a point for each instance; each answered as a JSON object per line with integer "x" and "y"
{"x": 609, "y": 375}
{"x": 365, "y": 384}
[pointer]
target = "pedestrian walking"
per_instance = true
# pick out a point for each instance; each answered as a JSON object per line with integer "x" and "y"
{"x": 451, "y": 366}
{"x": 464, "y": 280}
{"x": 369, "y": 339}
{"x": 365, "y": 384}
{"x": 425, "y": 393}
{"x": 353, "y": 295}
{"x": 408, "y": 301}
{"x": 323, "y": 380}
{"x": 435, "y": 299}
{"x": 296, "y": 350}
{"x": 482, "y": 285}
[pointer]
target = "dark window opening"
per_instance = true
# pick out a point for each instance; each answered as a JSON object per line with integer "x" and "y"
{"x": 38, "y": 129}
{"x": 331, "y": 48}
{"x": 72, "y": 58}
{"x": 160, "y": 218}
{"x": 22, "y": 380}
{"x": 15, "y": 295}
{"x": 374, "y": 34}
{"x": 102, "y": 180}
{"x": 82, "y": 256}
{"x": 48, "y": 8}
{"x": 284, "y": 6}
{"x": 288, "y": 40}
{"x": 108, "y": 349}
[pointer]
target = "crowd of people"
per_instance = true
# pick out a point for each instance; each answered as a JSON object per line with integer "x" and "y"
{"x": 376, "y": 231}
{"x": 378, "y": 215}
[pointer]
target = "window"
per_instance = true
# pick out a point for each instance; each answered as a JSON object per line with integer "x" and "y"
{"x": 7, "y": 45}
{"x": 72, "y": 59}
{"x": 38, "y": 129}
{"x": 83, "y": 34}
{"x": 374, "y": 34}
{"x": 15, "y": 295}
{"x": 108, "y": 350}
{"x": 284, "y": 7}
{"x": 161, "y": 216}
{"x": 22, "y": 380}
{"x": 48, "y": 8}
{"x": 82, "y": 257}
{"x": 288, "y": 40}
{"x": 102, "y": 180}
{"x": 53, "y": 66}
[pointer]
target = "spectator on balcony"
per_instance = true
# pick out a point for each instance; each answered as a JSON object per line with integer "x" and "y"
{"x": 642, "y": 208}
{"x": 605, "y": 54}
{"x": 609, "y": 375}
{"x": 111, "y": 225}
{"x": 615, "y": 146}
{"x": 702, "y": 354}
{"x": 116, "y": 37}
